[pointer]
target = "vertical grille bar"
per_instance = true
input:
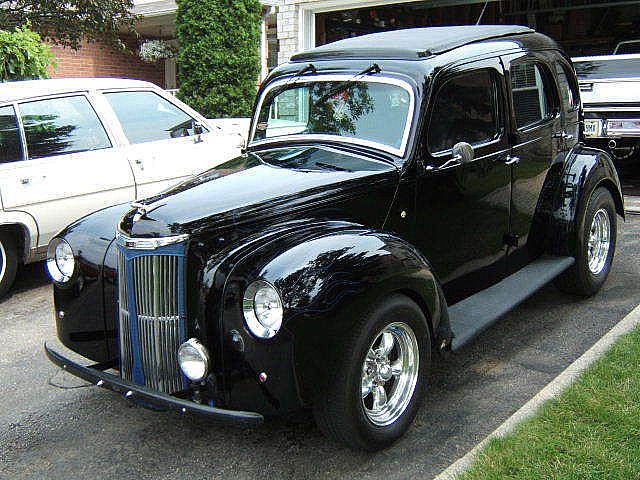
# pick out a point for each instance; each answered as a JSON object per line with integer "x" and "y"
{"x": 156, "y": 296}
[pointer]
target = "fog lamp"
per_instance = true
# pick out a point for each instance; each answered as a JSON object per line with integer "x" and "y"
{"x": 193, "y": 359}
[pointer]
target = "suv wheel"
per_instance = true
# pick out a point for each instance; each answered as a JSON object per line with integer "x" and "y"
{"x": 377, "y": 384}
{"x": 597, "y": 231}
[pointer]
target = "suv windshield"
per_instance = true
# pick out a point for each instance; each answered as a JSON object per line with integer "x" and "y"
{"x": 362, "y": 111}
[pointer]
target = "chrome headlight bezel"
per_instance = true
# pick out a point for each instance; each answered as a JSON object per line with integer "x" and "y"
{"x": 61, "y": 261}
{"x": 251, "y": 309}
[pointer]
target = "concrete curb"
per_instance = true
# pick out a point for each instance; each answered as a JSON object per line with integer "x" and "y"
{"x": 553, "y": 389}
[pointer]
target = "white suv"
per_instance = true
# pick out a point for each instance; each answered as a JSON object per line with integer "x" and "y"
{"x": 72, "y": 146}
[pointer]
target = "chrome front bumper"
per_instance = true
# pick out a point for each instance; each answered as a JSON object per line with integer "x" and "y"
{"x": 96, "y": 375}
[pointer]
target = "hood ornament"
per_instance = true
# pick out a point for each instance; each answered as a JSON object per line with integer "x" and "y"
{"x": 142, "y": 210}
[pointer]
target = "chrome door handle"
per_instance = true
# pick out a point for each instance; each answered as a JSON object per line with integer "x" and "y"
{"x": 139, "y": 162}
{"x": 25, "y": 181}
{"x": 512, "y": 160}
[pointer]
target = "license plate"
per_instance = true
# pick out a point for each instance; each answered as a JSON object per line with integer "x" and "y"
{"x": 628, "y": 126}
{"x": 591, "y": 128}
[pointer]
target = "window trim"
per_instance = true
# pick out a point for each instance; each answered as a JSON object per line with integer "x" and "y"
{"x": 55, "y": 97}
{"x": 23, "y": 145}
{"x": 400, "y": 152}
{"x": 572, "y": 82}
{"x": 104, "y": 93}
{"x": 498, "y": 111}
{"x": 548, "y": 80}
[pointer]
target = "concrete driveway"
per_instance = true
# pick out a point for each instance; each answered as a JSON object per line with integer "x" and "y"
{"x": 71, "y": 431}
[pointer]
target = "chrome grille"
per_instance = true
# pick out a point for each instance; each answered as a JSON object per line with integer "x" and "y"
{"x": 157, "y": 317}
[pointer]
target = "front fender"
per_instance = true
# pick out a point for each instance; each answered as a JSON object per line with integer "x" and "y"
{"x": 585, "y": 170}
{"x": 327, "y": 279}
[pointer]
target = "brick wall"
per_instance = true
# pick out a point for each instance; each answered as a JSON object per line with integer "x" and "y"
{"x": 100, "y": 60}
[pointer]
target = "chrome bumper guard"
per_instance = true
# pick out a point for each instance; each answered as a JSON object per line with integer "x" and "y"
{"x": 96, "y": 375}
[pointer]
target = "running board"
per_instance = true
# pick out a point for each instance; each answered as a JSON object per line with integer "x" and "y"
{"x": 472, "y": 315}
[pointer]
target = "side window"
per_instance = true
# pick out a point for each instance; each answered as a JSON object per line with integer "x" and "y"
{"x": 465, "y": 110}
{"x": 568, "y": 89}
{"x": 10, "y": 143}
{"x": 530, "y": 99}
{"x": 62, "y": 125}
{"x": 147, "y": 117}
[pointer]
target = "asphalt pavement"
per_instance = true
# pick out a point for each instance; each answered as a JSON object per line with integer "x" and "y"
{"x": 70, "y": 431}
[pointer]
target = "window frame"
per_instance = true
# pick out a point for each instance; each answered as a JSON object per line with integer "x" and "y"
{"x": 105, "y": 92}
{"x": 385, "y": 79}
{"x": 498, "y": 106}
{"x": 83, "y": 94}
{"x": 551, "y": 94}
{"x": 570, "y": 75}
{"x": 23, "y": 143}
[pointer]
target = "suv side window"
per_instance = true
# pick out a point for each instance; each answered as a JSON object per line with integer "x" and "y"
{"x": 58, "y": 126}
{"x": 146, "y": 116}
{"x": 465, "y": 110}
{"x": 10, "y": 142}
{"x": 568, "y": 89}
{"x": 530, "y": 97}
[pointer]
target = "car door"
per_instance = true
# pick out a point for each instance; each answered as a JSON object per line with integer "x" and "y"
{"x": 164, "y": 147}
{"x": 462, "y": 209}
{"x": 537, "y": 141}
{"x": 71, "y": 166}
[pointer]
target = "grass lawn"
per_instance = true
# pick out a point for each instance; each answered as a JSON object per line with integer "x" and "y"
{"x": 592, "y": 431}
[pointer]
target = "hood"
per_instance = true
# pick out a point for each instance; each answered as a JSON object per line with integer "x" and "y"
{"x": 268, "y": 186}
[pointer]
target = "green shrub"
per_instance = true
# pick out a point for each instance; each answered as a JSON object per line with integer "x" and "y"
{"x": 219, "y": 55}
{"x": 23, "y": 56}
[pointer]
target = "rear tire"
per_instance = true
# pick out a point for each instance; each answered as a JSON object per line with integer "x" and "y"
{"x": 376, "y": 383}
{"x": 595, "y": 246}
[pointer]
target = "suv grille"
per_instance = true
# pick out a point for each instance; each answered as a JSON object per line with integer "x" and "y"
{"x": 151, "y": 318}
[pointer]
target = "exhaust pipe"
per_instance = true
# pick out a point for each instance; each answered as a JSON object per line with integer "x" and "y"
{"x": 612, "y": 144}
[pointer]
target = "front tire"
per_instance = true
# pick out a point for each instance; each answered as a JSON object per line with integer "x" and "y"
{"x": 595, "y": 246}
{"x": 8, "y": 262}
{"x": 377, "y": 381}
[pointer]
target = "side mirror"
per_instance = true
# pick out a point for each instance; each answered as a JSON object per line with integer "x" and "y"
{"x": 462, "y": 152}
{"x": 198, "y": 130}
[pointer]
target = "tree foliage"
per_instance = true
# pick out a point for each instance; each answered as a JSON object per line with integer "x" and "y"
{"x": 23, "y": 55}
{"x": 68, "y": 22}
{"x": 219, "y": 55}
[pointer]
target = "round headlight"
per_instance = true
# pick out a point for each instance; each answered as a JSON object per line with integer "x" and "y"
{"x": 60, "y": 260}
{"x": 262, "y": 309}
{"x": 193, "y": 359}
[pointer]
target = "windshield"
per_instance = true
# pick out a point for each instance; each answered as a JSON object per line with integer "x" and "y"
{"x": 593, "y": 68}
{"x": 362, "y": 111}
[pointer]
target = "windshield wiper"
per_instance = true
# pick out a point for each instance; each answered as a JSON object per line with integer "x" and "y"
{"x": 374, "y": 68}
{"x": 304, "y": 70}
{"x": 330, "y": 166}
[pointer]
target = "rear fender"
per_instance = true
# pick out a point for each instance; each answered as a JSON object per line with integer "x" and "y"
{"x": 585, "y": 169}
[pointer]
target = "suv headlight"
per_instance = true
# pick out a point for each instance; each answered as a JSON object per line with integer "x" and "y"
{"x": 60, "y": 260}
{"x": 262, "y": 309}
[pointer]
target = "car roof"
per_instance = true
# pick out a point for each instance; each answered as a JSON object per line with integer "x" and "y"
{"x": 411, "y": 43}
{"x": 19, "y": 90}
{"x": 626, "y": 56}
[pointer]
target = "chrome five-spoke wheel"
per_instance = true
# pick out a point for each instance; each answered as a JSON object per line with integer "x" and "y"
{"x": 599, "y": 241}
{"x": 389, "y": 374}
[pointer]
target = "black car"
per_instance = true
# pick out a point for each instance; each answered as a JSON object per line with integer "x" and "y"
{"x": 399, "y": 192}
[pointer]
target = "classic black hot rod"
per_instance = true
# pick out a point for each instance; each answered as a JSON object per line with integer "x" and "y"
{"x": 399, "y": 192}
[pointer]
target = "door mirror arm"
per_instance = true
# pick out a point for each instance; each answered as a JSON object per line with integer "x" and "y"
{"x": 461, "y": 152}
{"x": 198, "y": 130}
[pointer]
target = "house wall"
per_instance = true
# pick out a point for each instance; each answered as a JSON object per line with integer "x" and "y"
{"x": 100, "y": 60}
